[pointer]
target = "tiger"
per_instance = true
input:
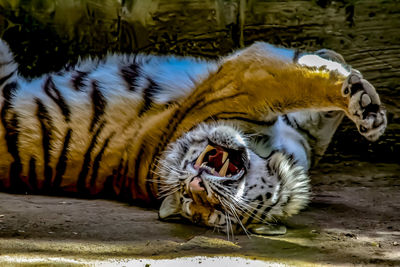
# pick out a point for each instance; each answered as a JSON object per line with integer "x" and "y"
{"x": 224, "y": 143}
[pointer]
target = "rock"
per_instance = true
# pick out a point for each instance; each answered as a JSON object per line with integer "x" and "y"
{"x": 208, "y": 243}
{"x": 350, "y": 235}
{"x": 267, "y": 229}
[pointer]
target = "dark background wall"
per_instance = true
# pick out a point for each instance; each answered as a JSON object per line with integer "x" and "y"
{"x": 45, "y": 34}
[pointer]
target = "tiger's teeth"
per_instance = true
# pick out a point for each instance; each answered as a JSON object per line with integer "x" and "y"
{"x": 201, "y": 157}
{"x": 224, "y": 168}
{"x": 204, "y": 164}
{"x": 224, "y": 156}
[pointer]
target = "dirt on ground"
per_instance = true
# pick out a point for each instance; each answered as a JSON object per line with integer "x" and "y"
{"x": 354, "y": 218}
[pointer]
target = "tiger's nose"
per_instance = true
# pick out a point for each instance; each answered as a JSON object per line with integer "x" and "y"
{"x": 196, "y": 185}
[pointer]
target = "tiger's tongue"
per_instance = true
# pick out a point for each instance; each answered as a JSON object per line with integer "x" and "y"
{"x": 216, "y": 161}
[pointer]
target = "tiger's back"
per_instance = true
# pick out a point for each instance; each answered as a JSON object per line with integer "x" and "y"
{"x": 78, "y": 130}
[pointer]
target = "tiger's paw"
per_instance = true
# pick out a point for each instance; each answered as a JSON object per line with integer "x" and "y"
{"x": 365, "y": 107}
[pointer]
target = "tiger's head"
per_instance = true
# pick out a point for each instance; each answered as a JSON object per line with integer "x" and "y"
{"x": 212, "y": 177}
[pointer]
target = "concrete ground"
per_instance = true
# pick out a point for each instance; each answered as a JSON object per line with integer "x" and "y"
{"x": 354, "y": 218}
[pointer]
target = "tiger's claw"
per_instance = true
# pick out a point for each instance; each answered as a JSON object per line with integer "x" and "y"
{"x": 365, "y": 107}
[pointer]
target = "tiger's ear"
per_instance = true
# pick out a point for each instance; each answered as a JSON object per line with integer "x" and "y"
{"x": 170, "y": 207}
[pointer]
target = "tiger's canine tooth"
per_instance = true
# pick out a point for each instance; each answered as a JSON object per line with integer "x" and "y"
{"x": 201, "y": 157}
{"x": 224, "y": 156}
{"x": 224, "y": 168}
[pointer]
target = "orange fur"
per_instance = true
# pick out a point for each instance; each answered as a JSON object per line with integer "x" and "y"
{"x": 254, "y": 83}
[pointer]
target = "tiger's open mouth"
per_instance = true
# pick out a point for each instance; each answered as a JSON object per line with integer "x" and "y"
{"x": 221, "y": 162}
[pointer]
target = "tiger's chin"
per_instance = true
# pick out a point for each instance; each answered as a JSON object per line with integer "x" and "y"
{"x": 212, "y": 177}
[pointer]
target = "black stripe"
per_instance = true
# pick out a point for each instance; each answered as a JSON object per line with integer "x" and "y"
{"x": 265, "y": 213}
{"x": 149, "y": 188}
{"x": 220, "y": 100}
{"x": 78, "y": 80}
{"x": 287, "y": 121}
{"x": 178, "y": 117}
{"x": 9, "y": 92}
{"x": 125, "y": 191}
{"x": 254, "y": 212}
{"x": 279, "y": 194}
{"x": 62, "y": 161}
{"x": 216, "y": 116}
{"x": 130, "y": 74}
{"x": 119, "y": 174}
{"x": 289, "y": 198}
{"x": 268, "y": 209}
{"x": 257, "y": 122}
{"x": 108, "y": 191}
{"x": 32, "y": 174}
{"x": 81, "y": 184}
{"x": 296, "y": 56}
{"x": 271, "y": 169}
{"x": 46, "y": 126}
{"x": 99, "y": 105}
{"x": 114, "y": 179}
{"x": 296, "y": 126}
{"x": 52, "y": 91}
{"x": 331, "y": 114}
{"x": 97, "y": 160}
{"x": 305, "y": 131}
{"x": 137, "y": 168}
{"x": 5, "y": 78}
{"x": 12, "y": 144}
{"x": 10, "y": 123}
{"x": 148, "y": 95}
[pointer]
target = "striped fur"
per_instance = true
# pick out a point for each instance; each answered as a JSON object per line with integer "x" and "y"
{"x": 130, "y": 126}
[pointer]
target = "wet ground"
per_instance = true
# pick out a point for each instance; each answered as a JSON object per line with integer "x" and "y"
{"x": 354, "y": 218}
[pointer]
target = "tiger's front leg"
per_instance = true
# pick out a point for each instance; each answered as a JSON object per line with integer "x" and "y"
{"x": 217, "y": 161}
{"x": 364, "y": 106}
{"x": 256, "y": 82}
